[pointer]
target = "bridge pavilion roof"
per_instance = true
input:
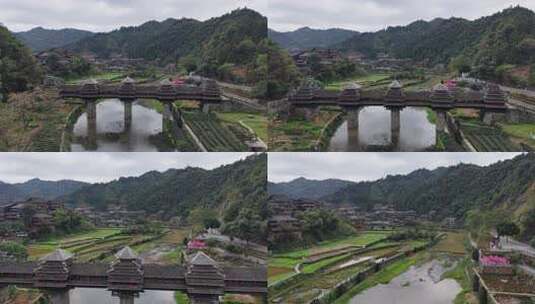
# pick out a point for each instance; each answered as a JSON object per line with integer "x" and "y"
{"x": 59, "y": 255}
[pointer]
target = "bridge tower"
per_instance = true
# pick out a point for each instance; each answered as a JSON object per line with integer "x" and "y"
{"x": 52, "y": 275}
{"x": 442, "y": 101}
{"x": 127, "y": 91}
{"x": 350, "y": 97}
{"x": 205, "y": 280}
{"x": 125, "y": 276}
{"x": 494, "y": 97}
{"x": 394, "y": 99}
{"x": 306, "y": 92}
{"x": 210, "y": 92}
{"x": 89, "y": 92}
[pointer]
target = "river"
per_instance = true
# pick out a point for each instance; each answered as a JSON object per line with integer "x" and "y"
{"x": 112, "y": 136}
{"x": 419, "y": 284}
{"x": 374, "y": 132}
{"x": 102, "y": 296}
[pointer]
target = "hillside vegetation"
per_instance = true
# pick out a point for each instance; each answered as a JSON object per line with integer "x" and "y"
{"x": 449, "y": 191}
{"x": 226, "y": 39}
{"x": 176, "y": 192}
{"x": 488, "y": 43}
{"x": 18, "y": 70}
{"x": 39, "y": 39}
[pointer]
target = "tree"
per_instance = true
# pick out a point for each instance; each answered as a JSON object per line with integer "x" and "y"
{"x": 189, "y": 63}
{"x": 460, "y": 64}
{"x": 531, "y": 80}
{"x": 507, "y": 229}
{"x": 247, "y": 226}
{"x": 211, "y": 223}
{"x": 18, "y": 251}
{"x": 200, "y": 217}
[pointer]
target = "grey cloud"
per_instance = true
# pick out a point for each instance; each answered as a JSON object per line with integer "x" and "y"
{"x": 371, "y": 15}
{"x": 366, "y": 166}
{"x": 102, "y": 167}
{"x": 106, "y": 15}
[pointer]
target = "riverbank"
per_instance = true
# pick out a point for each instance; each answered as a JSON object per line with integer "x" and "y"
{"x": 33, "y": 121}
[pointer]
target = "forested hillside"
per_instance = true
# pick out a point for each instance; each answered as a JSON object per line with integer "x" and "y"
{"x": 306, "y": 37}
{"x": 228, "y": 189}
{"x": 18, "y": 69}
{"x": 231, "y": 38}
{"x": 40, "y": 39}
{"x": 449, "y": 191}
{"x": 487, "y": 43}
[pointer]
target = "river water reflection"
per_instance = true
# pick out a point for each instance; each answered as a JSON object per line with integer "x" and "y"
{"x": 114, "y": 133}
{"x": 416, "y": 133}
{"x": 103, "y": 296}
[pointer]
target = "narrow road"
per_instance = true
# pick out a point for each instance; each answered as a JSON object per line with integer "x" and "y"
{"x": 509, "y": 244}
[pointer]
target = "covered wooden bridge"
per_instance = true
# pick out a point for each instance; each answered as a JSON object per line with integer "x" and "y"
{"x": 202, "y": 279}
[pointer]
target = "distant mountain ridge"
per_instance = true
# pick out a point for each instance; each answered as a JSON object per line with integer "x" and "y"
{"x": 307, "y": 189}
{"x": 36, "y": 188}
{"x": 306, "y": 37}
{"x": 507, "y": 37}
{"x": 227, "y": 189}
{"x": 40, "y": 39}
{"x": 506, "y": 186}
{"x": 219, "y": 38}
{"x": 451, "y": 191}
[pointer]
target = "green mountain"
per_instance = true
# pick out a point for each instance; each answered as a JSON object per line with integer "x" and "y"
{"x": 18, "y": 69}
{"x": 305, "y": 38}
{"x": 36, "y": 188}
{"x": 9, "y": 193}
{"x": 226, "y": 39}
{"x": 506, "y": 185}
{"x": 507, "y": 37}
{"x": 227, "y": 189}
{"x": 39, "y": 39}
{"x": 307, "y": 189}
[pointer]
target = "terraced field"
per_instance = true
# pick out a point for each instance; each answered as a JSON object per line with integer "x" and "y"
{"x": 96, "y": 245}
{"x": 212, "y": 133}
{"x": 487, "y": 139}
{"x": 326, "y": 274}
{"x": 282, "y": 265}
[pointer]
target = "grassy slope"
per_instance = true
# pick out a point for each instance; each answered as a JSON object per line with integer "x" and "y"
{"x": 282, "y": 264}
{"x": 46, "y": 119}
{"x": 254, "y": 121}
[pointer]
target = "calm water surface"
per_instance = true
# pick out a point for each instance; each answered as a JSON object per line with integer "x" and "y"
{"x": 102, "y": 296}
{"x": 112, "y": 136}
{"x": 420, "y": 284}
{"x": 416, "y": 132}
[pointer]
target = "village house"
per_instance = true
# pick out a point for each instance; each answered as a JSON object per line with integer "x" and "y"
{"x": 285, "y": 224}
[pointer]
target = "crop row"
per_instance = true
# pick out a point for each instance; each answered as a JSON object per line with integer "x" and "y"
{"x": 214, "y": 136}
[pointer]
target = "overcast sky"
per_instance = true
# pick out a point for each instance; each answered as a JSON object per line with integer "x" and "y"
{"x": 372, "y": 15}
{"x": 106, "y": 15}
{"x": 284, "y": 167}
{"x": 102, "y": 167}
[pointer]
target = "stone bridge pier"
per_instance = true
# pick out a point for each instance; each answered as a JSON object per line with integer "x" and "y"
{"x": 441, "y": 124}
{"x": 91, "y": 112}
{"x": 395, "y": 127}
{"x": 125, "y": 297}
{"x": 59, "y": 296}
{"x": 353, "y": 140}
{"x": 490, "y": 118}
{"x": 127, "y": 114}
